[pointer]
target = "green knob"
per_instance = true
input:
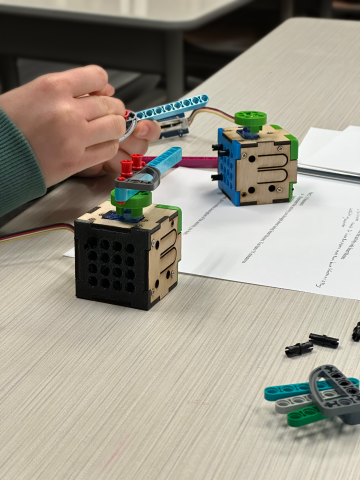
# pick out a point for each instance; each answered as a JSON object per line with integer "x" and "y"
{"x": 253, "y": 120}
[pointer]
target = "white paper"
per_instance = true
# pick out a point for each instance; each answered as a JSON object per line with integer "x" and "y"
{"x": 315, "y": 140}
{"x": 341, "y": 153}
{"x": 311, "y": 244}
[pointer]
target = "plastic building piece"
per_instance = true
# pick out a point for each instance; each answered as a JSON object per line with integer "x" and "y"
{"x": 356, "y": 333}
{"x": 192, "y": 162}
{"x": 138, "y": 163}
{"x": 257, "y": 164}
{"x": 287, "y": 405}
{"x": 348, "y": 406}
{"x": 299, "y": 349}
{"x": 178, "y": 125}
{"x": 324, "y": 341}
{"x": 253, "y": 120}
{"x": 148, "y": 179}
{"x": 170, "y": 207}
{"x": 162, "y": 163}
{"x": 304, "y": 416}
{"x": 285, "y": 391}
{"x": 172, "y": 109}
{"x": 131, "y": 122}
{"x": 133, "y": 265}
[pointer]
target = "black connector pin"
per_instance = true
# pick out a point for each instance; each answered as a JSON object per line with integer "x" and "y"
{"x": 217, "y": 146}
{"x": 324, "y": 341}
{"x": 356, "y": 333}
{"x": 299, "y": 349}
{"x": 217, "y": 177}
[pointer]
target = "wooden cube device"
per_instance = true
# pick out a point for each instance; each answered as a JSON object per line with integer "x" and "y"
{"x": 257, "y": 171}
{"x": 129, "y": 264}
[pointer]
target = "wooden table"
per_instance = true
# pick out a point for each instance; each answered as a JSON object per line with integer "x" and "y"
{"x": 97, "y": 391}
{"x": 139, "y": 35}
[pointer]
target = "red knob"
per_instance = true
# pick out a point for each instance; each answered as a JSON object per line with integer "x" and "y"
{"x": 137, "y": 161}
{"x": 126, "y": 168}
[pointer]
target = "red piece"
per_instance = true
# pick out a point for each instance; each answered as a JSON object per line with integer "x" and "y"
{"x": 121, "y": 179}
{"x": 138, "y": 164}
{"x": 127, "y": 112}
{"x": 126, "y": 168}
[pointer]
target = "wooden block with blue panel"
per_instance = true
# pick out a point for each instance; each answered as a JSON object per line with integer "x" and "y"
{"x": 257, "y": 163}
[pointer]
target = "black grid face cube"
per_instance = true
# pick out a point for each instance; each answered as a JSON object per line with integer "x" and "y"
{"x": 132, "y": 265}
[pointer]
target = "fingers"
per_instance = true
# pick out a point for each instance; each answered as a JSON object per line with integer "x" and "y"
{"x": 104, "y": 129}
{"x": 147, "y": 130}
{"x": 134, "y": 145}
{"x": 108, "y": 91}
{"x": 83, "y": 80}
{"x": 95, "y": 106}
{"x": 95, "y": 155}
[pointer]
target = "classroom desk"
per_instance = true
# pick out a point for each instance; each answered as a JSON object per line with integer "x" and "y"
{"x": 97, "y": 391}
{"x": 138, "y": 35}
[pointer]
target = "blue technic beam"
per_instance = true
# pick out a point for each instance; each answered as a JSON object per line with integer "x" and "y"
{"x": 172, "y": 109}
{"x": 163, "y": 163}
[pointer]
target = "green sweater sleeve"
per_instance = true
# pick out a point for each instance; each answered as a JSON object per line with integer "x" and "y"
{"x": 21, "y": 179}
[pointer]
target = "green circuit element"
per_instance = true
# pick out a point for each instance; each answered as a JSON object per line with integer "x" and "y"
{"x": 253, "y": 120}
{"x": 169, "y": 207}
{"x": 294, "y": 147}
{"x": 291, "y": 188}
{"x": 276, "y": 127}
{"x": 136, "y": 203}
{"x": 304, "y": 416}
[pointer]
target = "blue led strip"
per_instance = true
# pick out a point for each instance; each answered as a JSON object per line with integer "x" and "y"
{"x": 171, "y": 109}
{"x": 163, "y": 162}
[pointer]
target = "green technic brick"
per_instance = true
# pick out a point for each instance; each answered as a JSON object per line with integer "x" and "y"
{"x": 294, "y": 147}
{"x": 276, "y": 127}
{"x": 169, "y": 207}
{"x": 304, "y": 416}
{"x": 135, "y": 203}
{"x": 291, "y": 184}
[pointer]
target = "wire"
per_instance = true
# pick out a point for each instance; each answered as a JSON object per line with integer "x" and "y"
{"x": 37, "y": 231}
{"x": 222, "y": 114}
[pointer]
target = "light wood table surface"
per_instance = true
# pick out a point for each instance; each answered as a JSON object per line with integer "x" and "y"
{"x": 97, "y": 391}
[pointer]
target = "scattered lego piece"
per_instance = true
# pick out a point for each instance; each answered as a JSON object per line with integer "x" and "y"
{"x": 304, "y": 416}
{"x": 348, "y": 406}
{"x": 324, "y": 341}
{"x": 285, "y": 391}
{"x": 356, "y": 333}
{"x": 299, "y": 349}
{"x": 287, "y": 405}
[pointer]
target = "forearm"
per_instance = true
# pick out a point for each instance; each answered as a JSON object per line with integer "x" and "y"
{"x": 21, "y": 179}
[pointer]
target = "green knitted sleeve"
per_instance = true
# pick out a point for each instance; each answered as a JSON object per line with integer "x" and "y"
{"x": 21, "y": 179}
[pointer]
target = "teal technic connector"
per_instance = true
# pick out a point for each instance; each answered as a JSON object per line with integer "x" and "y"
{"x": 162, "y": 163}
{"x": 285, "y": 391}
{"x": 171, "y": 109}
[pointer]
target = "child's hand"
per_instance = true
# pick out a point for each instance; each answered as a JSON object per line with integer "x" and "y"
{"x": 71, "y": 122}
{"x": 145, "y": 131}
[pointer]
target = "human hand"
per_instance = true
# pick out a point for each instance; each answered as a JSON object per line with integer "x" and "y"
{"x": 72, "y": 124}
{"x": 145, "y": 131}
